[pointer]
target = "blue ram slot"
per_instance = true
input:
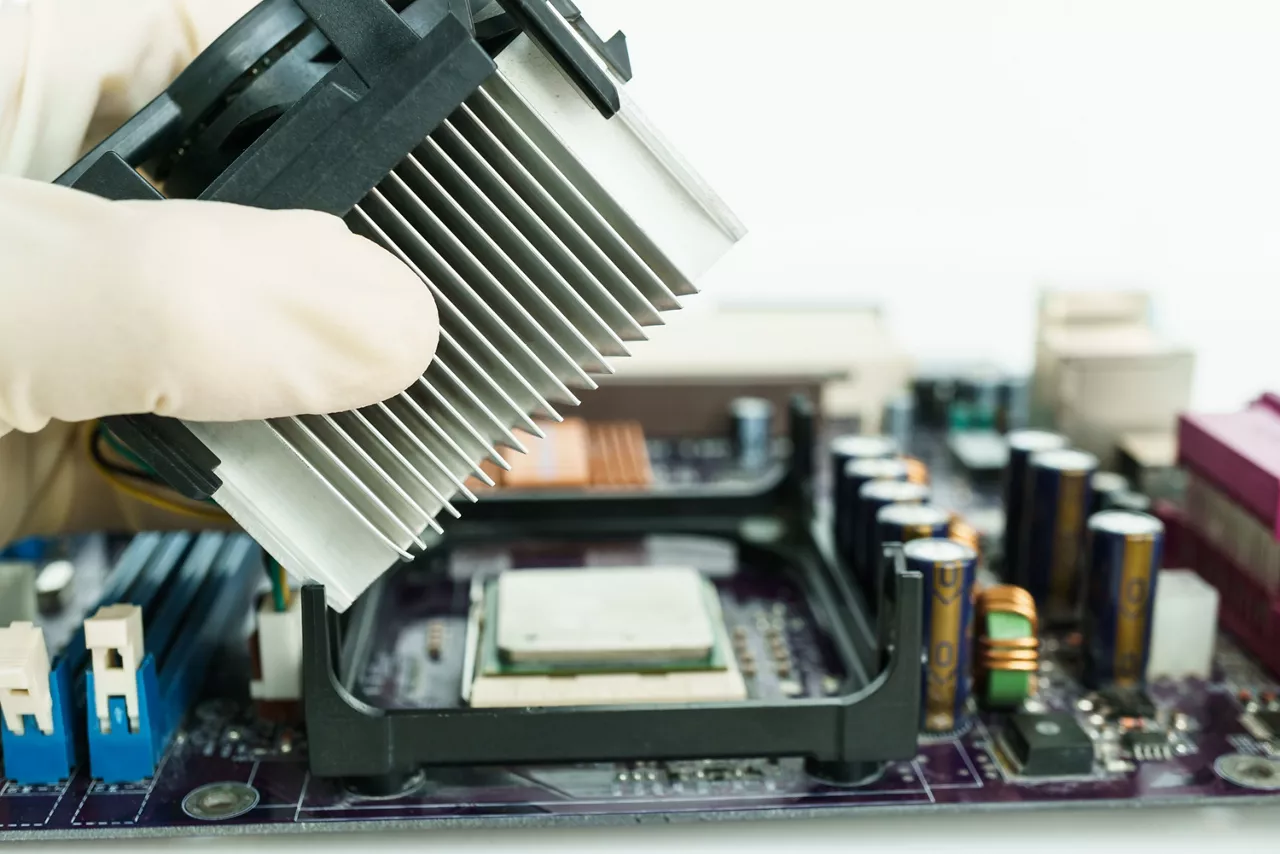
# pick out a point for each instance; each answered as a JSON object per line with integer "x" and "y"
{"x": 37, "y": 758}
{"x": 202, "y": 604}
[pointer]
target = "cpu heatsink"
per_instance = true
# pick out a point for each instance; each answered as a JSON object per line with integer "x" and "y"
{"x": 550, "y": 231}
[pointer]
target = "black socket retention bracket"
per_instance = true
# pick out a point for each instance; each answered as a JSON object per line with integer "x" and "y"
{"x": 309, "y": 104}
{"x": 845, "y": 738}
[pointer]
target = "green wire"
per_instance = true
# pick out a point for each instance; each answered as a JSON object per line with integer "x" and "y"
{"x": 123, "y": 450}
{"x": 276, "y": 573}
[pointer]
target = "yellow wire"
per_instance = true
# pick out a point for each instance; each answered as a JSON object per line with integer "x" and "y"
{"x": 140, "y": 493}
{"x": 286, "y": 595}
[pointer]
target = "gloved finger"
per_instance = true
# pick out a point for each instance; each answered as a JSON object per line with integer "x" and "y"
{"x": 64, "y": 63}
{"x": 197, "y": 310}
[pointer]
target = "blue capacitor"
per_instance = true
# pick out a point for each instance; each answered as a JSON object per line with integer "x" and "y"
{"x": 1106, "y": 484}
{"x": 850, "y": 479}
{"x": 902, "y": 523}
{"x": 873, "y": 497}
{"x": 1056, "y": 515}
{"x": 1022, "y": 444}
{"x": 851, "y": 446}
{"x": 1124, "y": 565}
{"x": 950, "y": 570}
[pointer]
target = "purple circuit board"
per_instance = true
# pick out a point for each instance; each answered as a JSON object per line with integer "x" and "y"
{"x": 229, "y": 772}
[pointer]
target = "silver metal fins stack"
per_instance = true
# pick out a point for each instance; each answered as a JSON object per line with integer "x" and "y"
{"x": 550, "y": 238}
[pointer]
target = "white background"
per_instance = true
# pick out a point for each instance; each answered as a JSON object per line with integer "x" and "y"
{"x": 944, "y": 157}
{"x": 947, "y": 157}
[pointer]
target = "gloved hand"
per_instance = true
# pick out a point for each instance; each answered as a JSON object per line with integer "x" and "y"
{"x": 190, "y": 309}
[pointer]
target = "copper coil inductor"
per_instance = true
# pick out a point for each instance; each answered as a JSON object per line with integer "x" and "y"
{"x": 1007, "y": 657}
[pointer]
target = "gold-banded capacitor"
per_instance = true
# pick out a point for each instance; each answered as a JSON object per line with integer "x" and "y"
{"x": 1008, "y": 654}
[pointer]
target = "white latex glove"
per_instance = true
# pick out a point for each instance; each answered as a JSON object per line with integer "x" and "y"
{"x": 190, "y": 309}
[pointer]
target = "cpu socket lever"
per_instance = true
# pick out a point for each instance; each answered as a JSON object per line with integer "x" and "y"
{"x": 845, "y": 738}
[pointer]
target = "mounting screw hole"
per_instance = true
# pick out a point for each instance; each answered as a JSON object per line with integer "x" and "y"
{"x": 220, "y": 801}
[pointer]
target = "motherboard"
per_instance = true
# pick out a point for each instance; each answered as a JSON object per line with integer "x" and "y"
{"x": 231, "y": 768}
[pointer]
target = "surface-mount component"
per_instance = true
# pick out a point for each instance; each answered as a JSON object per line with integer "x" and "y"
{"x": 1049, "y": 745}
{"x": 1148, "y": 745}
{"x": 1267, "y": 723}
{"x": 1127, "y": 702}
{"x": 1184, "y": 627}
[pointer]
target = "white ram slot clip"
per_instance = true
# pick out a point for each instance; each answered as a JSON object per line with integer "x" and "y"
{"x": 570, "y": 354}
{"x": 541, "y": 183}
{"x": 113, "y": 636}
{"x": 24, "y": 678}
{"x": 544, "y": 220}
{"x": 447, "y": 285}
{"x": 588, "y": 297}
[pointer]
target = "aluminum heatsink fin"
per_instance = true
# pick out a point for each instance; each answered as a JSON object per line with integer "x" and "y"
{"x": 546, "y": 258}
{"x": 513, "y": 157}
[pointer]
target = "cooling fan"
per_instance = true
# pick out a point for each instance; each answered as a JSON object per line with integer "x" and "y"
{"x": 493, "y": 150}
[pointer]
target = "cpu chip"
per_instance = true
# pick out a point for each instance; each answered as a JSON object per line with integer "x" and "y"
{"x": 558, "y": 637}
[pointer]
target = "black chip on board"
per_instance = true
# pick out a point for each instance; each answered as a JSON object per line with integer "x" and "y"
{"x": 1138, "y": 738}
{"x": 1049, "y": 745}
{"x": 1129, "y": 703}
{"x": 1270, "y": 720}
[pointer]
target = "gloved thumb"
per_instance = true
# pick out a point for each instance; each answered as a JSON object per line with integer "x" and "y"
{"x": 197, "y": 310}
